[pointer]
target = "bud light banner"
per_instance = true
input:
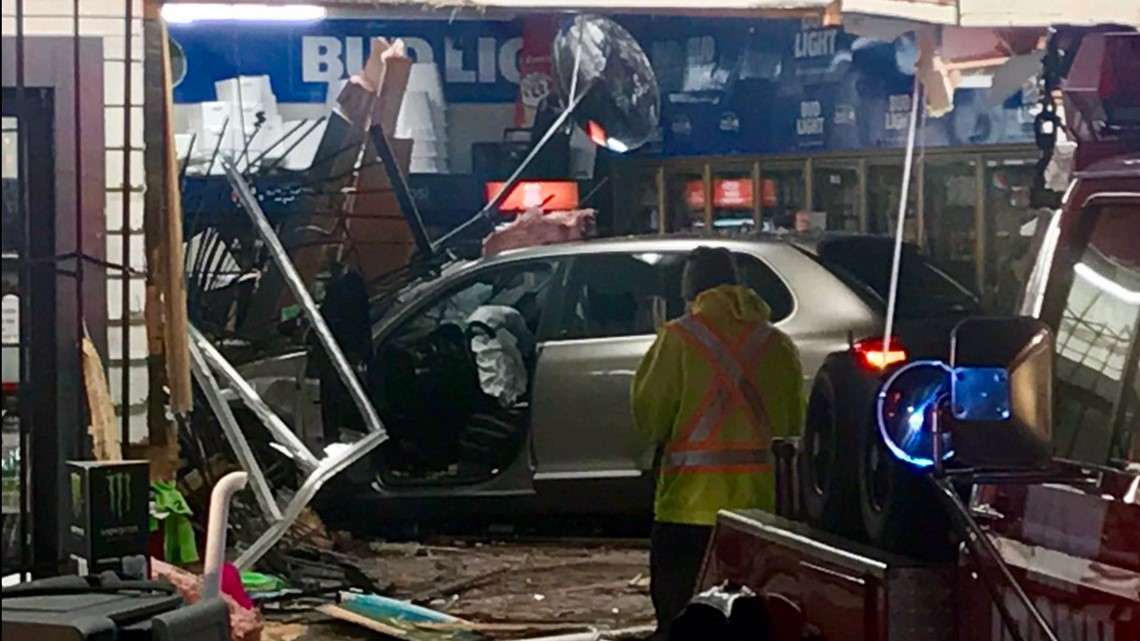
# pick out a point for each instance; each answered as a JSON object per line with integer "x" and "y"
{"x": 728, "y": 85}
{"x": 477, "y": 59}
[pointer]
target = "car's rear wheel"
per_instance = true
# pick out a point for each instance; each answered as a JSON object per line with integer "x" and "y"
{"x": 827, "y": 468}
{"x": 899, "y": 508}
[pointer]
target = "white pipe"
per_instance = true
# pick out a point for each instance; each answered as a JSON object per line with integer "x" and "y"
{"x": 908, "y": 164}
{"x": 216, "y": 532}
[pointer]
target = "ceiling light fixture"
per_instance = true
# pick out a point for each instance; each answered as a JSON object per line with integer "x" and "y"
{"x": 186, "y": 13}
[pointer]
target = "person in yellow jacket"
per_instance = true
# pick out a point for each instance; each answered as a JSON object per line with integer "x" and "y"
{"x": 717, "y": 385}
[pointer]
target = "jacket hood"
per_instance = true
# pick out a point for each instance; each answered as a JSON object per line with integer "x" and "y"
{"x": 732, "y": 303}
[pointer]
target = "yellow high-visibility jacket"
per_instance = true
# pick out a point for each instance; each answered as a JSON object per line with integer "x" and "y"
{"x": 713, "y": 390}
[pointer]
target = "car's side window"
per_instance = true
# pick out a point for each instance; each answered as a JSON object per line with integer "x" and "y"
{"x": 1096, "y": 337}
{"x": 759, "y": 276}
{"x": 754, "y": 274}
{"x": 615, "y": 295}
{"x": 523, "y": 286}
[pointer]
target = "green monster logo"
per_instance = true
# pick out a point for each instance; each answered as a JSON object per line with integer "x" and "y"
{"x": 119, "y": 493}
{"x": 76, "y": 494}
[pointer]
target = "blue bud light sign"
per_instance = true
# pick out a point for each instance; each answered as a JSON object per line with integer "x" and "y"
{"x": 477, "y": 59}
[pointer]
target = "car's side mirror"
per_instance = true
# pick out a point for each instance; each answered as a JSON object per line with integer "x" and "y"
{"x": 989, "y": 407}
{"x": 1002, "y": 392}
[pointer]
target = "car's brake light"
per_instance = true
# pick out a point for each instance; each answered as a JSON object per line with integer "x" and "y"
{"x": 872, "y": 354}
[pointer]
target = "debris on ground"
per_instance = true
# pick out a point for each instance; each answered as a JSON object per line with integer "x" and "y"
{"x": 477, "y": 590}
{"x": 284, "y": 631}
{"x": 525, "y": 584}
{"x": 245, "y": 622}
{"x": 398, "y": 619}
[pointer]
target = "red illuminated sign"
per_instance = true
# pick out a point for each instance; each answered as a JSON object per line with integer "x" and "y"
{"x": 728, "y": 193}
{"x": 547, "y": 195}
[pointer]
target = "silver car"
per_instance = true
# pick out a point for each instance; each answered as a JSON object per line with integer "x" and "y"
{"x": 505, "y": 382}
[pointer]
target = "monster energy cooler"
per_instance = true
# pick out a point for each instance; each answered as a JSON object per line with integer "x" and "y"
{"x": 110, "y": 516}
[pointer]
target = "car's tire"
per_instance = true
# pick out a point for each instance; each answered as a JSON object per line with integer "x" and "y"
{"x": 899, "y": 508}
{"x": 828, "y": 472}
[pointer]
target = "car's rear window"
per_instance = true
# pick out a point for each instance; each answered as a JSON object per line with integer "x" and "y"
{"x": 865, "y": 265}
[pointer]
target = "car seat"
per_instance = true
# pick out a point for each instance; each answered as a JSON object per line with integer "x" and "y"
{"x": 446, "y": 391}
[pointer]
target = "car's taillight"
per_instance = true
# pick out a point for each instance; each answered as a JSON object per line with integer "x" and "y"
{"x": 872, "y": 354}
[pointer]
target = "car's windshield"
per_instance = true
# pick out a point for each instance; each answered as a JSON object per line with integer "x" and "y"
{"x": 1098, "y": 339}
{"x": 406, "y": 288}
{"x": 865, "y": 265}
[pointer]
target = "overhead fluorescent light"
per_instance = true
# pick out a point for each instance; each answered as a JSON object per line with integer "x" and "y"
{"x": 185, "y": 13}
{"x": 1106, "y": 285}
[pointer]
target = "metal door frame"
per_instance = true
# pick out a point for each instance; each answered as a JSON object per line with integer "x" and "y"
{"x": 62, "y": 80}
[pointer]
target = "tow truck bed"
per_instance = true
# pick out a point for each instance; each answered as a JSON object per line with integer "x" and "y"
{"x": 830, "y": 587}
{"x": 1073, "y": 552}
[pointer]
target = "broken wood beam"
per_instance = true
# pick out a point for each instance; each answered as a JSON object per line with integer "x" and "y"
{"x": 106, "y": 443}
{"x": 177, "y": 325}
{"x": 156, "y": 154}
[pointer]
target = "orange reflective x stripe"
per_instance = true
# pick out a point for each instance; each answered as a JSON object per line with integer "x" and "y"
{"x": 699, "y": 448}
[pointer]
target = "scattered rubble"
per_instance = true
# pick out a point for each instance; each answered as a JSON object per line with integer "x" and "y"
{"x": 498, "y": 583}
{"x": 492, "y": 590}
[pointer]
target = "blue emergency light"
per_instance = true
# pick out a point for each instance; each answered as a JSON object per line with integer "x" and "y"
{"x": 988, "y": 407}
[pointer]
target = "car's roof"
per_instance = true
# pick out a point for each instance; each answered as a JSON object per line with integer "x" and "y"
{"x": 676, "y": 243}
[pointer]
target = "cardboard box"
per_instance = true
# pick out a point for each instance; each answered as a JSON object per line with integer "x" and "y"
{"x": 206, "y": 115}
{"x": 110, "y": 517}
{"x": 247, "y": 89}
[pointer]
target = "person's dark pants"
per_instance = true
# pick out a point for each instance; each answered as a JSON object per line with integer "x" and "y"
{"x": 676, "y": 553}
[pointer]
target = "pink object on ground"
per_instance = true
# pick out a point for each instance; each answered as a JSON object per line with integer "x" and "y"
{"x": 533, "y": 228}
{"x": 231, "y": 585}
{"x": 245, "y": 622}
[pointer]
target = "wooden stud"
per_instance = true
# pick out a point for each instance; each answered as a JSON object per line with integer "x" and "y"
{"x": 177, "y": 324}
